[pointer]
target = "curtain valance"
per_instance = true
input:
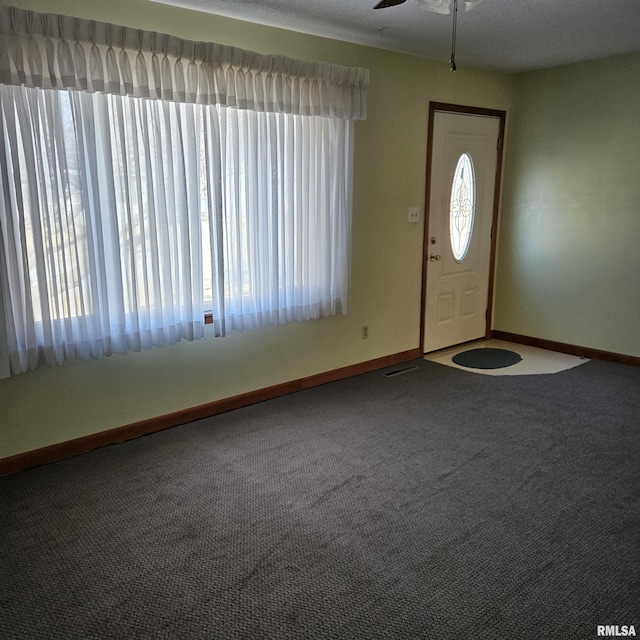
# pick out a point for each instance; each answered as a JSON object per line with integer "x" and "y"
{"x": 52, "y": 51}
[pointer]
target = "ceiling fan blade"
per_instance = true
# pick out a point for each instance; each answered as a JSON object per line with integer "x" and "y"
{"x": 388, "y": 3}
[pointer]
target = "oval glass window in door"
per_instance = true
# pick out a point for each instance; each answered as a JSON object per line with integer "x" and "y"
{"x": 462, "y": 207}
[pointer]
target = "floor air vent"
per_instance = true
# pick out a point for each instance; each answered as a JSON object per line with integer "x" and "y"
{"x": 398, "y": 372}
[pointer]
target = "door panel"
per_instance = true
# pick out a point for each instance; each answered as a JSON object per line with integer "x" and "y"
{"x": 457, "y": 290}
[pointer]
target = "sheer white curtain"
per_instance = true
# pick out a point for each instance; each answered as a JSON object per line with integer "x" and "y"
{"x": 286, "y": 217}
{"x": 146, "y": 179}
{"x": 102, "y": 250}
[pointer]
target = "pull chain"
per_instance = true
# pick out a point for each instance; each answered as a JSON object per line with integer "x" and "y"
{"x": 453, "y": 37}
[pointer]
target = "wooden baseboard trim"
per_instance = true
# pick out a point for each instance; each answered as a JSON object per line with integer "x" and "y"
{"x": 574, "y": 350}
{"x": 30, "y": 459}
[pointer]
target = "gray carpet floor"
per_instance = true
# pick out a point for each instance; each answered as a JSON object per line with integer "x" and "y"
{"x": 436, "y": 504}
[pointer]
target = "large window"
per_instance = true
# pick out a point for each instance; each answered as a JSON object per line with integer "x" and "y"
{"x": 128, "y": 216}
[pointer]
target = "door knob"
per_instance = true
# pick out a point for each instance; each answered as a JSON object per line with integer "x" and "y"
{"x": 434, "y": 258}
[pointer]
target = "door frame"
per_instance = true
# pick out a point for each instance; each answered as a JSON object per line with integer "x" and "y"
{"x": 435, "y": 107}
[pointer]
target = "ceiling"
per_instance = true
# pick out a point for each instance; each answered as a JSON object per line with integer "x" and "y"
{"x": 501, "y": 35}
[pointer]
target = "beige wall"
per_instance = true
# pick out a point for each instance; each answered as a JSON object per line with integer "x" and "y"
{"x": 569, "y": 241}
{"x": 53, "y": 405}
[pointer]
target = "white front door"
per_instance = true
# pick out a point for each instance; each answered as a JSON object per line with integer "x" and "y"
{"x": 464, "y": 158}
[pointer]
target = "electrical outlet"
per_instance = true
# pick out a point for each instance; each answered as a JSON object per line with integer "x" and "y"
{"x": 414, "y": 214}
{"x": 365, "y": 331}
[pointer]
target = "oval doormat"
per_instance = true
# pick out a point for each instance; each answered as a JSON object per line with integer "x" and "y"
{"x": 487, "y": 358}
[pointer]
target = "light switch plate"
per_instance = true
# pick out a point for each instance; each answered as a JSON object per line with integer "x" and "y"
{"x": 414, "y": 214}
